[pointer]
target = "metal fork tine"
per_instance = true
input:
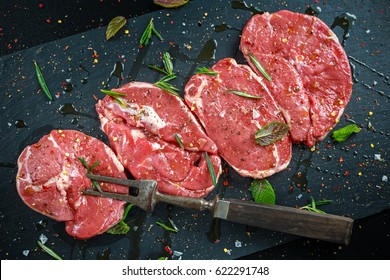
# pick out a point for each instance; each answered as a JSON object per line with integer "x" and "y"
{"x": 121, "y": 181}
{"x": 124, "y": 197}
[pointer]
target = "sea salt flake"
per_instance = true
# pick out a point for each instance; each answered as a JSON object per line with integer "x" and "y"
{"x": 384, "y": 179}
{"x": 177, "y": 253}
{"x": 238, "y": 244}
{"x": 43, "y": 238}
{"x": 378, "y": 157}
{"x": 26, "y": 252}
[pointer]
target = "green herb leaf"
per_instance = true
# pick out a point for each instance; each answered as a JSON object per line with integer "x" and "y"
{"x": 158, "y": 69}
{"x": 313, "y": 205}
{"x": 144, "y": 41}
{"x": 170, "y": 3}
{"x": 259, "y": 66}
{"x": 95, "y": 185}
{"x": 113, "y": 93}
{"x": 164, "y": 85}
{"x": 168, "y": 228}
{"x": 94, "y": 165}
{"x": 271, "y": 132}
{"x": 167, "y": 60}
{"x": 121, "y": 227}
{"x": 114, "y": 26}
{"x": 342, "y": 134}
{"x": 49, "y": 251}
{"x": 262, "y": 191}
{"x": 42, "y": 81}
{"x": 84, "y": 162}
{"x": 177, "y": 137}
{"x": 244, "y": 94}
{"x": 204, "y": 70}
{"x": 211, "y": 169}
{"x": 162, "y": 258}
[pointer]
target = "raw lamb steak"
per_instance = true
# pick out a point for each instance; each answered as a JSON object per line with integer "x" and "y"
{"x": 232, "y": 120}
{"x": 142, "y": 129}
{"x": 51, "y": 179}
{"x": 311, "y": 75}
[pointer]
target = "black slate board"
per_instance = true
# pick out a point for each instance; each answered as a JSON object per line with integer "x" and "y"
{"x": 348, "y": 173}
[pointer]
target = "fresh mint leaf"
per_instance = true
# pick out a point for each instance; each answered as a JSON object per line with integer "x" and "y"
{"x": 343, "y": 133}
{"x": 262, "y": 191}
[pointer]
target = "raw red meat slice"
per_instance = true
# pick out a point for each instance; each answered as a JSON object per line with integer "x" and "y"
{"x": 142, "y": 133}
{"x": 232, "y": 121}
{"x": 311, "y": 75}
{"x": 51, "y": 179}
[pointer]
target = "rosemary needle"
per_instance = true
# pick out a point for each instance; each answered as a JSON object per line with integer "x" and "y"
{"x": 42, "y": 81}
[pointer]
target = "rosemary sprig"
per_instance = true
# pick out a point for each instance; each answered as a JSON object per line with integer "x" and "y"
{"x": 42, "y": 81}
{"x": 167, "y": 60}
{"x": 244, "y": 94}
{"x": 259, "y": 67}
{"x": 211, "y": 169}
{"x": 158, "y": 69}
{"x": 164, "y": 85}
{"x": 168, "y": 65}
{"x": 115, "y": 95}
{"x": 171, "y": 228}
{"x": 49, "y": 251}
{"x": 89, "y": 170}
{"x": 121, "y": 227}
{"x": 178, "y": 140}
{"x": 313, "y": 205}
{"x": 144, "y": 41}
{"x": 205, "y": 70}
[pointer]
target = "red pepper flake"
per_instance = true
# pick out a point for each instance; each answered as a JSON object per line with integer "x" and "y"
{"x": 95, "y": 54}
{"x": 363, "y": 44}
{"x": 94, "y": 97}
{"x": 341, "y": 159}
{"x": 225, "y": 183}
{"x": 346, "y": 173}
{"x": 309, "y": 190}
{"x": 48, "y": 20}
{"x": 40, "y": 6}
{"x": 226, "y": 170}
{"x": 168, "y": 250}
